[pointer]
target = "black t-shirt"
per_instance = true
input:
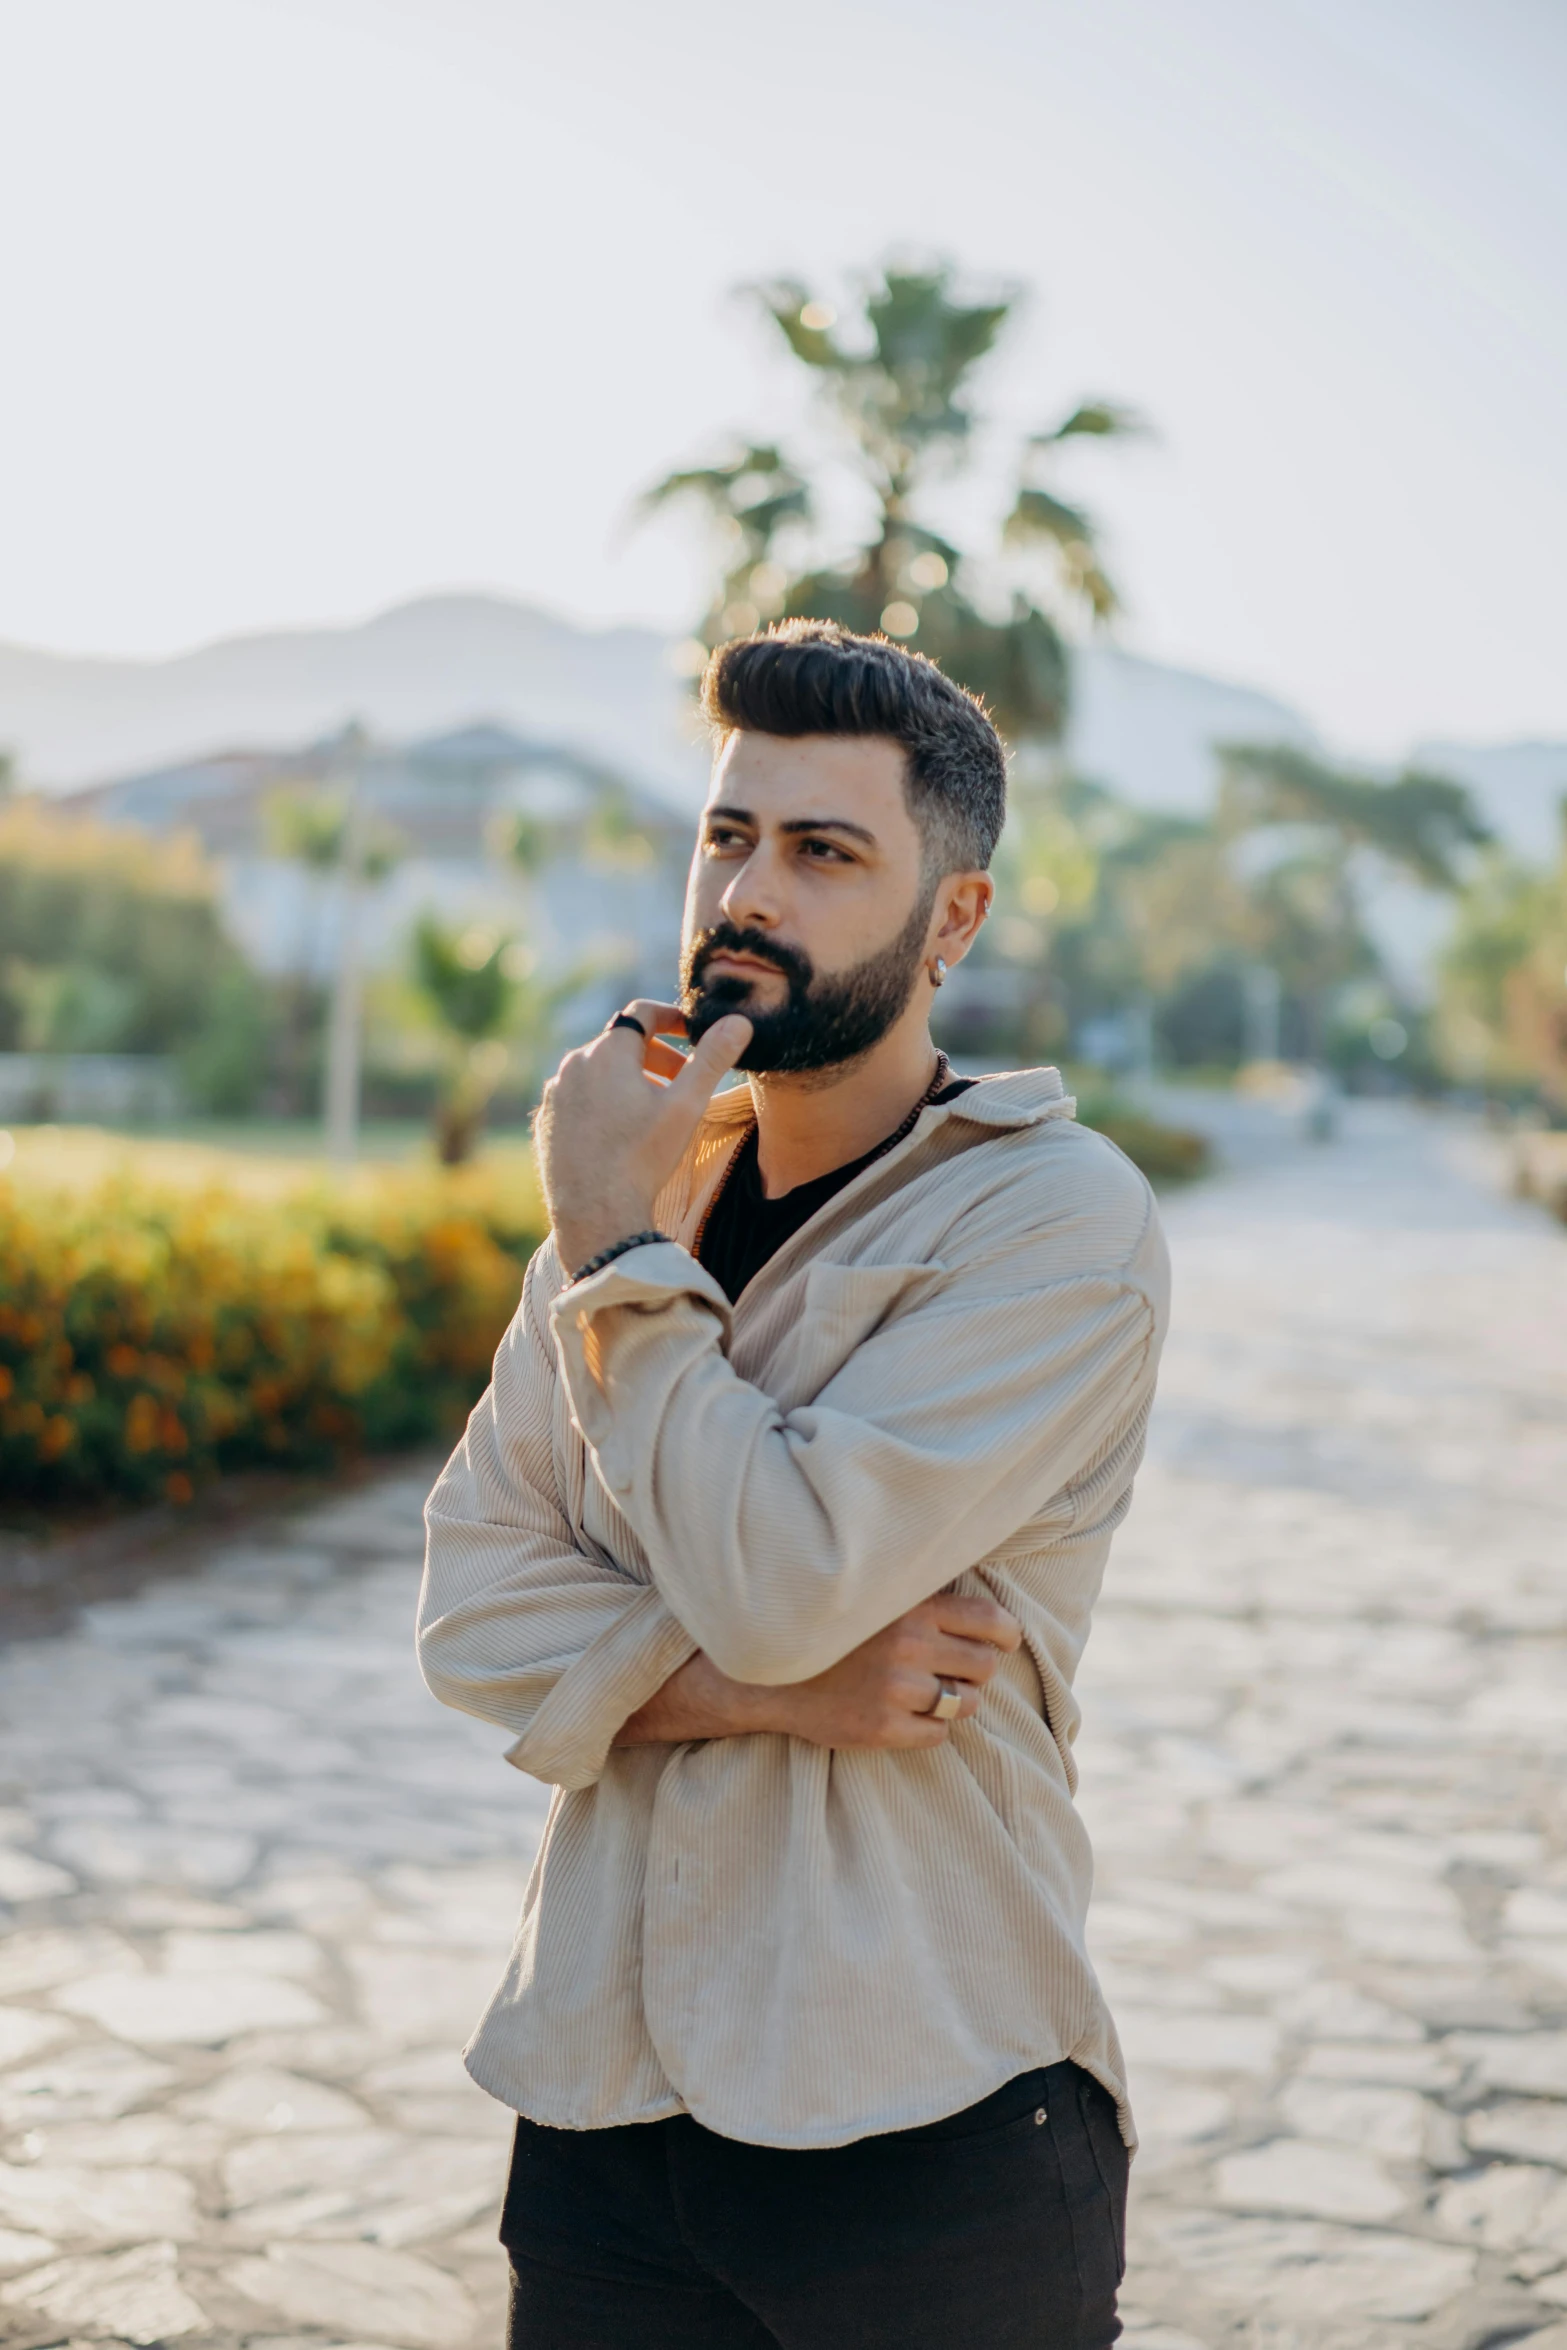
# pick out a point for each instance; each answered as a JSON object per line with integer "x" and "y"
{"x": 745, "y": 1227}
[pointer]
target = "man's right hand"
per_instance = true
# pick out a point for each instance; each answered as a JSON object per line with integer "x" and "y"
{"x": 879, "y": 1695}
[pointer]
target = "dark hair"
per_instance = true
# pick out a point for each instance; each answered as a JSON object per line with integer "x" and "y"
{"x": 813, "y": 677}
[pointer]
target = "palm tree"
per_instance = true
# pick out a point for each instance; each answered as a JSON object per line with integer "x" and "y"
{"x": 897, "y": 380}
{"x": 1303, "y": 907}
{"x": 1110, "y": 906}
{"x": 750, "y": 497}
{"x": 1503, "y": 1009}
{"x": 479, "y": 987}
{"x": 305, "y": 824}
{"x": 470, "y": 979}
{"x": 323, "y": 827}
{"x": 1426, "y": 824}
{"x": 607, "y": 833}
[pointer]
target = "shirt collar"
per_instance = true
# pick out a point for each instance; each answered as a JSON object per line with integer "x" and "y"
{"x": 1020, "y": 1097}
{"x": 1023, "y": 1097}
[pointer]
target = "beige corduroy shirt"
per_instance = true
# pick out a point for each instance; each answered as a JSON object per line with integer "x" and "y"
{"x": 942, "y": 1380}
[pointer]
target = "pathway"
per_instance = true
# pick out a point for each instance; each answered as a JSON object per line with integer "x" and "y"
{"x": 261, "y": 1884}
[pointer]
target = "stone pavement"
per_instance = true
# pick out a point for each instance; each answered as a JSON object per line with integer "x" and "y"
{"x": 261, "y": 1884}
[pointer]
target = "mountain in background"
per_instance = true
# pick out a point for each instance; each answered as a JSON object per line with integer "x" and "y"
{"x": 420, "y": 669}
{"x": 445, "y": 661}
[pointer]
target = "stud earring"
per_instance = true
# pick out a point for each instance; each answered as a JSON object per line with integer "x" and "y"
{"x": 940, "y": 972}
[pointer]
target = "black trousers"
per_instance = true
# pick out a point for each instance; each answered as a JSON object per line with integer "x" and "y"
{"x": 1000, "y": 2228}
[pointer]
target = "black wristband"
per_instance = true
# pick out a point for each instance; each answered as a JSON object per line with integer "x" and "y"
{"x": 618, "y": 1248}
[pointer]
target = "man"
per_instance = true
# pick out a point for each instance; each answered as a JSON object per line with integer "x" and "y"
{"x": 773, "y": 1544}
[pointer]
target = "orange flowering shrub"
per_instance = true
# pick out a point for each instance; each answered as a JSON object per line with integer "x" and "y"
{"x": 152, "y": 1335}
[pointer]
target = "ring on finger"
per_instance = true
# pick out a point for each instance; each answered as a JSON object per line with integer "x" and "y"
{"x": 625, "y": 1020}
{"x": 948, "y": 1702}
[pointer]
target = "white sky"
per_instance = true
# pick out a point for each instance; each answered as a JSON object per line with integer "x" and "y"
{"x": 311, "y": 305}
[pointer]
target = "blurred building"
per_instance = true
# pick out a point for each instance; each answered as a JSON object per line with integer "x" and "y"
{"x": 597, "y": 889}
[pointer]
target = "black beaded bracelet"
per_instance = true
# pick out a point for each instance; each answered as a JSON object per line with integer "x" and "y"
{"x": 607, "y": 1256}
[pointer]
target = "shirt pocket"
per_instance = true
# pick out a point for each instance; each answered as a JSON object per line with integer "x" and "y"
{"x": 844, "y": 1305}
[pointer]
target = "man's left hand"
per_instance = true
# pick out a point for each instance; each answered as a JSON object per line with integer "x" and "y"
{"x": 611, "y": 1131}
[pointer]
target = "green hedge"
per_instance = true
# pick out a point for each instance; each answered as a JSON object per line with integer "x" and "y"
{"x": 153, "y": 1335}
{"x": 158, "y": 1331}
{"x": 1166, "y": 1154}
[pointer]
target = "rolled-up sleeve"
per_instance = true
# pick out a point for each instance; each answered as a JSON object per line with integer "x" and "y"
{"x": 782, "y": 1539}
{"x": 518, "y": 1624}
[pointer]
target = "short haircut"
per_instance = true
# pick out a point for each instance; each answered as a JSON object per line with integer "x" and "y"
{"x": 813, "y": 677}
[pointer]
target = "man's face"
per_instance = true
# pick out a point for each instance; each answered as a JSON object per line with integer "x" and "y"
{"x": 806, "y": 907}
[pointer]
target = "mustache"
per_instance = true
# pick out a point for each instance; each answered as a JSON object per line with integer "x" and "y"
{"x": 730, "y": 938}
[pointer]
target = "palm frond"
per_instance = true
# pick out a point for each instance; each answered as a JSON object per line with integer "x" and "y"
{"x": 1037, "y": 519}
{"x": 1096, "y": 419}
{"x": 1426, "y": 823}
{"x": 789, "y": 305}
{"x": 758, "y": 487}
{"x": 1037, "y": 515}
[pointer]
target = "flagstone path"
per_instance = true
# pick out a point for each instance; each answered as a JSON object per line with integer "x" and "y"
{"x": 260, "y": 1884}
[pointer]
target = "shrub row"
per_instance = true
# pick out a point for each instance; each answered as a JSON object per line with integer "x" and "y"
{"x": 153, "y": 1335}
{"x": 1166, "y": 1154}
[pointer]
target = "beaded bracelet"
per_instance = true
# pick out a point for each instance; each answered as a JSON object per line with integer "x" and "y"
{"x": 607, "y": 1256}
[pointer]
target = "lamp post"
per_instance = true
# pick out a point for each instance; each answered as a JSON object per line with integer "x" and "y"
{"x": 343, "y": 1027}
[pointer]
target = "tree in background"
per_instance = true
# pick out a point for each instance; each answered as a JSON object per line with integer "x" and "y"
{"x": 750, "y": 500}
{"x": 896, "y": 377}
{"x": 1502, "y": 1012}
{"x": 113, "y": 942}
{"x": 607, "y": 833}
{"x": 1071, "y": 931}
{"x": 1107, "y": 909}
{"x": 491, "y": 1014}
{"x": 1304, "y": 832}
{"x": 308, "y": 823}
{"x": 1423, "y": 823}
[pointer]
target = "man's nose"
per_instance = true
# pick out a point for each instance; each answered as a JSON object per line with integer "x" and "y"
{"x": 751, "y": 900}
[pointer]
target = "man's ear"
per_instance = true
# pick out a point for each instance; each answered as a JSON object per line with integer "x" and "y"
{"x": 962, "y": 903}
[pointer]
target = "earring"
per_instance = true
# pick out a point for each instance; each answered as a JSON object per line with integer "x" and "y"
{"x": 940, "y": 972}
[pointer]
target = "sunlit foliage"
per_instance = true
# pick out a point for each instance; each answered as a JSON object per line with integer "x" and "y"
{"x": 154, "y": 1332}
{"x": 896, "y": 378}
{"x": 109, "y": 941}
{"x": 1503, "y": 1011}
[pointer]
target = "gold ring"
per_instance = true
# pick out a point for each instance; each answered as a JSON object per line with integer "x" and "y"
{"x": 949, "y": 1700}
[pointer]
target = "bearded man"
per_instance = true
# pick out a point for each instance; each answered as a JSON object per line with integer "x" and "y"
{"x": 773, "y": 1545}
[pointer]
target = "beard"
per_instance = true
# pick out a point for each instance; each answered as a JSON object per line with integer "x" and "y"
{"x": 822, "y": 1022}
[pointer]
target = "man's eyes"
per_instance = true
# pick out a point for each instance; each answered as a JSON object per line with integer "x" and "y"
{"x": 721, "y": 840}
